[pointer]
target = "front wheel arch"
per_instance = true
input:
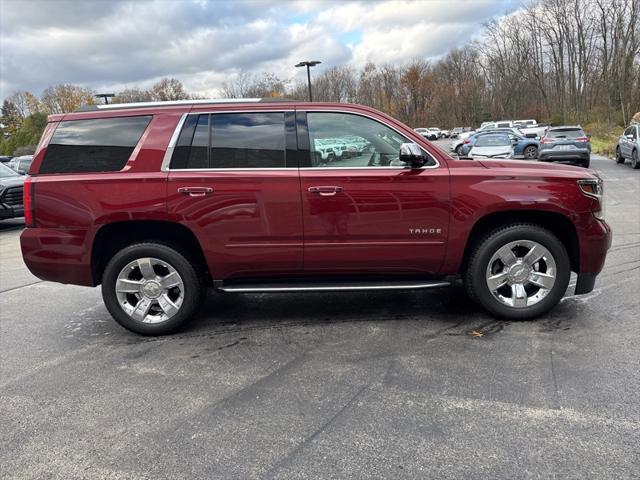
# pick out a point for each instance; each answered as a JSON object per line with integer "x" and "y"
{"x": 560, "y": 225}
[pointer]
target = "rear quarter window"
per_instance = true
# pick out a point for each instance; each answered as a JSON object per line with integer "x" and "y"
{"x": 98, "y": 145}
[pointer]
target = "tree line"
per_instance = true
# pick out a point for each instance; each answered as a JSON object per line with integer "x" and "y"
{"x": 559, "y": 61}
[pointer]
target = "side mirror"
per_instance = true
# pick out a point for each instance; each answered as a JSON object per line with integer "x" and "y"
{"x": 630, "y": 137}
{"x": 411, "y": 154}
{"x": 588, "y": 135}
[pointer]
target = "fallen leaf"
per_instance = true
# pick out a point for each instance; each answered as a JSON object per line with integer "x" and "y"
{"x": 475, "y": 333}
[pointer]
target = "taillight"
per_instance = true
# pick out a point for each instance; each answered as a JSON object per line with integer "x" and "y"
{"x": 582, "y": 139}
{"x": 548, "y": 140}
{"x": 28, "y": 203}
{"x": 467, "y": 141}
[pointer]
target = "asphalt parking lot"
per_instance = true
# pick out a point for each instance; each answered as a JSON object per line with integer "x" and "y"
{"x": 327, "y": 385}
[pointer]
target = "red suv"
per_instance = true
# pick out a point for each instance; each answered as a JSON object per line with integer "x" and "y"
{"x": 158, "y": 201}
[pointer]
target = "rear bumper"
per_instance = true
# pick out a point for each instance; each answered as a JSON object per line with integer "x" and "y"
{"x": 11, "y": 212}
{"x": 58, "y": 255}
{"x": 552, "y": 155}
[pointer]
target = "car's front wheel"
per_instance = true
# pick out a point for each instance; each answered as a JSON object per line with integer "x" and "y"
{"x": 635, "y": 161}
{"x": 151, "y": 288}
{"x": 619, "y": 157}
{"x": 518, "y": 272}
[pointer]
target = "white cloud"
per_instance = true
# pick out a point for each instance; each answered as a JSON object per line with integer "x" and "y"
{"x": 117, "y": 44}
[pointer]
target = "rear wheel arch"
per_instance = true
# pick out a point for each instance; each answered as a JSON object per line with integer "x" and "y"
{"x": 557, "y": 223}
{"x": 113, "y": 237}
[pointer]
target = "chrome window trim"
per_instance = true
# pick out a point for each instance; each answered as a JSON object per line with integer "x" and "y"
{"x": 166, "y": 160}
{"x": 288, "y": 169}
{"x": 437, "y": 163}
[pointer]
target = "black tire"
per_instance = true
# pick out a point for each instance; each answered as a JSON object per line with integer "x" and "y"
{"x": 530, "y": 152}
{"x": 619, "y": 157}
{"x": 192, "y": 279}
{"x": 459, "y": 150}
{"x": 475, "y": 274}
{"x": 586, "y": 163}
{"x": 635, "y": 161}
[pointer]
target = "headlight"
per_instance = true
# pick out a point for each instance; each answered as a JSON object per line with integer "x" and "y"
{"x": 594, "y": 188}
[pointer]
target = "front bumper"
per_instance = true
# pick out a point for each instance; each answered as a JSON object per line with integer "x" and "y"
{"x": 7, "y": 211}
{"x": 595, "y": 242}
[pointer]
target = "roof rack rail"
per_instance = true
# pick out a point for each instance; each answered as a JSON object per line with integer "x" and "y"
{"x": 173, "y": 103}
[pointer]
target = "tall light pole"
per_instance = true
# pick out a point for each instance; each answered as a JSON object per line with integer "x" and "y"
{"x": 308, "y": 63}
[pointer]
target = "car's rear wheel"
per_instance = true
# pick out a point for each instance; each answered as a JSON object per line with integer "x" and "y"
{"x": 530, "y": 152}
{"x": 635, "y": 161}
{"x": 619, "y": 157}
{"x": 151, "y": 289}
{"x": 585, "y": 163}
{"x": 459, "y": 150}
{"x": 518, "y": 272}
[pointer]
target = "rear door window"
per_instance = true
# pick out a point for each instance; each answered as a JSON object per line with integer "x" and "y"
{"x": 98, "y": 145}
{"x": 247, "y": 140}
{"x": 231, "y": 140}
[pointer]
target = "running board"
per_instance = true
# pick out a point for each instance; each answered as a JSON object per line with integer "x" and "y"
{"x": 331, "y": 287}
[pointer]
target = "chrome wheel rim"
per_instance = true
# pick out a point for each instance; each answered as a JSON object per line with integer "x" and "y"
{"x": 149, "y": 290}
{"x": 520, "y": 274}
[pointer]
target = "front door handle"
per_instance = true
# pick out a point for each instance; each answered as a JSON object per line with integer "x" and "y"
{"x": 195, "y": 191}
{"x": 325, "y": 191}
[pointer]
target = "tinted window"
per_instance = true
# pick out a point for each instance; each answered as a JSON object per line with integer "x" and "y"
{"x": 99, "y": 145}
{"x": 566, "y": 132}
{"x": 347, "y": 140}
{"x": 198, "y": 155}
{"x": 247, "y": 140}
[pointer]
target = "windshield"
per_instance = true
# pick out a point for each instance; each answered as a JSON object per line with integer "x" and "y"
{"x": 493, "y": 141}
{"x": 7, "y": 172}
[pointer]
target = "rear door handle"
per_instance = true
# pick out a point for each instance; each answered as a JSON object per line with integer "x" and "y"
{"x": 325, "y": 191}
{"x": 195, "y": 191}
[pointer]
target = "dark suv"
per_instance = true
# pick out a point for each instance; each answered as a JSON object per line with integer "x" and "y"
{"x": 158, "y": 201}
{"x": 10, "y": 193}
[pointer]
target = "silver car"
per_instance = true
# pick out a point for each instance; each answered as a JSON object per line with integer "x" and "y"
{"x": 629, "y": 146}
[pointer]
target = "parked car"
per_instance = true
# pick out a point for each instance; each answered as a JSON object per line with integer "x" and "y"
{"x": 456, "y": 131}
{"x": 446, "y": 133}
{"x": 427, "y": 133}
{"x": 155, "y": 202}
{"x": 534, "y": 131}
{"x": 492, "y": 145}
{"x": 528, "y": 123}
{"x": 568, "y": 144}
{"x": 437, "y": 132}
{"x": 522, "y": 146}
{"x": 11, "y": 184}
{"x": 21, "y": 164}
{"x": 462, "y": 145}
{"x": 629, "y": 146}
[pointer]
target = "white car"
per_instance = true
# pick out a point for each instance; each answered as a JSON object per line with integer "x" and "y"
{"x": 528, "y": 123}
{"x": 426, "y": 133}
{"x": 492, "y": 146}
{"x": 436, "y": 131}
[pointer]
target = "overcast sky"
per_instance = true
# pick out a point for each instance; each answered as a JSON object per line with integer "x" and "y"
{"x": 108, "y": 45}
